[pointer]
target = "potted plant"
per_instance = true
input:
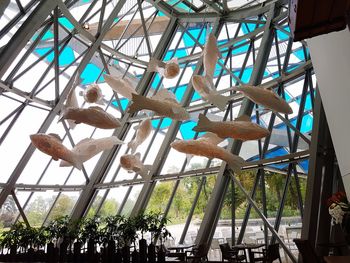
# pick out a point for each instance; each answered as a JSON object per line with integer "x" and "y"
{"x": 142, "y": 224}
{"x": 127, "y": 236}
{"x": 90, "y": 232}
{"x": 110, "y": 234}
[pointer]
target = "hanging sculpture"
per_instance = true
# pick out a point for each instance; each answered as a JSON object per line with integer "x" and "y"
{"x": 88, "y": 148}
{"x": 94, "y": 116}
{"x": 51, "y": 144}
{"x": 241, "y": 128}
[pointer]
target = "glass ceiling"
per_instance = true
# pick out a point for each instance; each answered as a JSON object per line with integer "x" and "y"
{"x": 52, "y": 48}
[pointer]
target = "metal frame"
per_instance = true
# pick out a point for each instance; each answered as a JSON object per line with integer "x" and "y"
{"x": 94, "y": 49}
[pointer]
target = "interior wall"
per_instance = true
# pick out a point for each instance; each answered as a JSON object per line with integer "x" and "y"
{"x": 330, "y": 55}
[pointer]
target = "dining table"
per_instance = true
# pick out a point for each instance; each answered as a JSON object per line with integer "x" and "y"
{"x": 337, "y": 259}
{"x": 249, "y": 247}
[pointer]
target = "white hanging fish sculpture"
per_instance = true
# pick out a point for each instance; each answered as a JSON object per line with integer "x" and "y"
{"x": 132, "y": 163}
{"x": 92, "y": 94}
{"x": 94, "y": 116}
{"x": 201, "y": 85}
{"x": 208, "y": 137}
{"x": 211, "y": 54}
{"x": 121, "y": 86}
{"x": 143, "y": 131}
{"x": 88, "y": 148}
{"x": 209, "y": 150}
{"x": 241, "y": 128}
{"x": 168, "y": 69}
{"x": 163, "y": 105}
{"x": 51, "y": 144}
{"x": 3, "y": 6}
{"x": 266, "y": 98}
{"x": 71, "y": 102}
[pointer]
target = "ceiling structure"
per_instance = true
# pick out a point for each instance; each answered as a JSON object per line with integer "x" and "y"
{"x": 48, "y": 49}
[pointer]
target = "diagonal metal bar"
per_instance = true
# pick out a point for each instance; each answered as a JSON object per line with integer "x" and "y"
{"x": 211, "y": 217}
{"x": 255, "y": 206}
{"x": 24, "y": 33}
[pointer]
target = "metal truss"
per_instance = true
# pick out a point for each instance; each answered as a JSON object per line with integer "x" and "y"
{"x": 256, "y": 41}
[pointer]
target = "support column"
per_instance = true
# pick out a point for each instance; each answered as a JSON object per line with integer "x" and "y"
{"x": 212, "y": 213}
{"x": 148, "y": 187}
{"x": 107, "y": 157}
{"x": 316, "y": 221}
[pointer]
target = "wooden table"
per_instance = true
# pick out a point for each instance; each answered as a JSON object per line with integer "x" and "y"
{"x": 249, "y": 248}
{"x": 179, "y": 251}
{"x": 337, "y": 259}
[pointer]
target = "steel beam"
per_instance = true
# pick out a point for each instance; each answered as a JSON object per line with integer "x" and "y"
{"x": 211, "y": 216}
{"x": 24, "y": 33}
{"x": 47, "y": 122}
{"x": 148, "y": 187}
{"x": 106, "y": 158}
{"x": 316, "y": 221}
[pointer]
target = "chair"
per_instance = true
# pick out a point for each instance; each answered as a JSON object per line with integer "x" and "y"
{"x": 230, "y": 254}
{"x": 197, "y": 254}
{"x": 270, "y": 254}
{"x": 307, "y": 252}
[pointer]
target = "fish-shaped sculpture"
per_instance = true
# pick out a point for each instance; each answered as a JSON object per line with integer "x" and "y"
{"x": 92, "y": 94}
{"x": 266, "y": 98}
{"x": 71, "y": 102}
{"x": 208, "y": 137}
{"x": 211, "y": 54}
{"x": 94, "y": 116}
{"x": 121, "y": 86}
{"x": 168, "y": 69}
{"x": 51, "y": 144}
{"x": 201, "y": 85}
{"x": 143, "y": 131}
{"x": 165, "y": 108}
{"x": 3, "y": 6}
{"x": 241, "y": 128}
{"x": 209, "y": 150}
{"x": 88, "y": 148}
{"x": 132, "y": 163}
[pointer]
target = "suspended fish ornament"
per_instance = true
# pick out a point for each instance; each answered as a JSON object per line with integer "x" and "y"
{"x": 51, "y": 145}
{"x": 71, "y": 102}
{"x": 92, "y": 94}
{"x": 241, "y": 128}
{"x": 121, "y": 86}
{"x": 209, "y": 150}
{"x": 266, "y": 98}
{"x": 211, "y": 54}
{"x": 88, "y": 148}
{"x": 94, "y": 116}
{"x": 143, "y": 131}
{"x": 168, "y": 69}
{"x": 201, "y": 85}
{"x": 164, "y": 105}
{"x": 132, "y": 163}
{"x": 208, "y": 137}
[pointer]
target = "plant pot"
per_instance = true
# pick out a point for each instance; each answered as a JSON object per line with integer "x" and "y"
{"x": 111, "y": 249}
{"x": 91, "y": 251}
{"x": 151, "y": 253}
{"x": 77, "y": 251}
{"x": 126, "y": 254}
{"x": 63, "y": 250}
{"x": 161, "y": 256}
{"x": 135, "y": 256}
{"x": 143, "y": 250}
{"x": 118, "y": 256}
